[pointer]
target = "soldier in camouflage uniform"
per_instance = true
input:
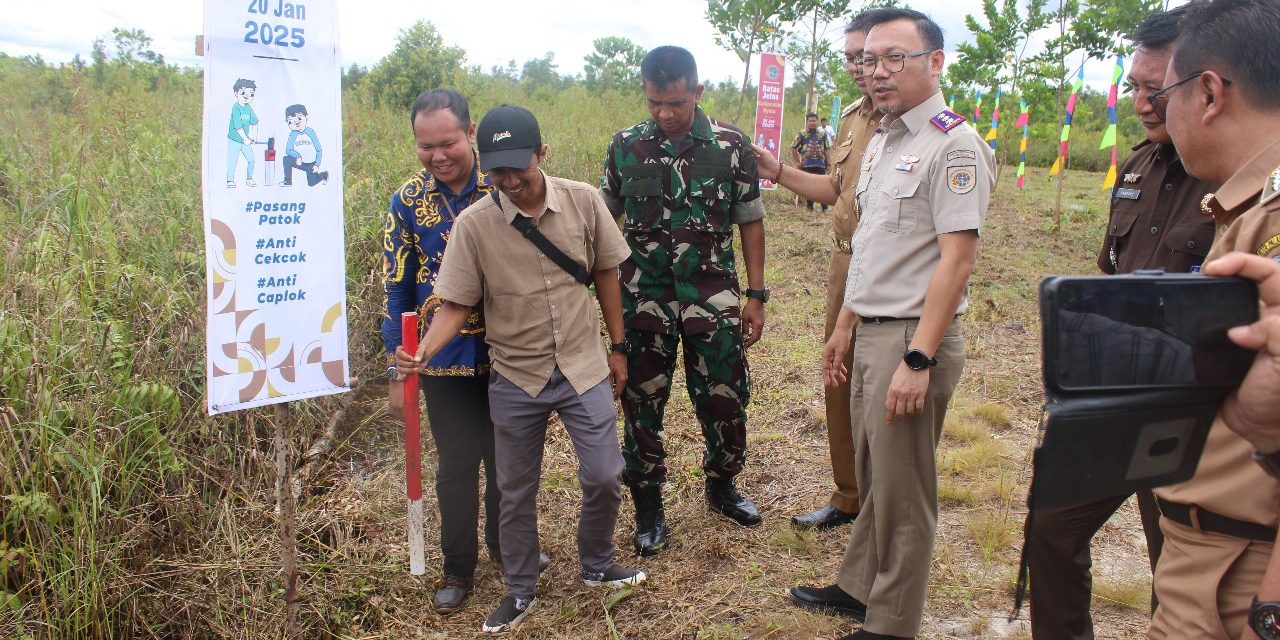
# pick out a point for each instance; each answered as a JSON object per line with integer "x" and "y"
{"x": 683, "y": 180}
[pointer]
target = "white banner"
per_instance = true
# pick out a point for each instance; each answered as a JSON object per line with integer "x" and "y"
{"x": 272, "y": 150}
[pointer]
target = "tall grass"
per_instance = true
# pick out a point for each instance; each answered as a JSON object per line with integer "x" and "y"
{"x": 117, "y": 492}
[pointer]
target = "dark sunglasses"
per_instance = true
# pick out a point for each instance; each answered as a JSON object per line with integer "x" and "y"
{"x": 1160, "y": 99}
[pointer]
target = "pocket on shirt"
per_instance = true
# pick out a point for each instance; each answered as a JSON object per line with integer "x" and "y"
{"x": 1191, "y": 238}
{"x": 711, "y": 195}
{"x": 900, "y": 213}
{"x": 642, "y": 193}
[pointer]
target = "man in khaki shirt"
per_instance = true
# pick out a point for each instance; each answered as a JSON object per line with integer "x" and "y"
{"x": 857, "y": 125}
{"x": 923, "y": 192}
{"x": 1221, "y": 105}
{"x": 545, "y": 345}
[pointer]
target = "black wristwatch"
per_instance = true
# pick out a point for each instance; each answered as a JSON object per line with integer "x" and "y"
{"x": 623, "y": 347}
{"x": 393, "y": 375}
{"x": 1264, "y": 619}
{"x": 916, "y": 360}
{"x": 759, "y": 294}
{"x": 1270, "y": 462}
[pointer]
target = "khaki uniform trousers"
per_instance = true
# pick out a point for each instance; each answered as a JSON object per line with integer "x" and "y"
{"x": 886, "y": 564}
{"x": 1205, "y": 582}
{"x": 839, "y": 426}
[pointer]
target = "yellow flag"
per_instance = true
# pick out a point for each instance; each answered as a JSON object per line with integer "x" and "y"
{"x": 1053, "y": 171}
{"x": 1110, "y": 181}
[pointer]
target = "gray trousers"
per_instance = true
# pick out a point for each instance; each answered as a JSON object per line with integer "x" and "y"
{"x": 520, "y": 429}
{"x": 886, "y": 563}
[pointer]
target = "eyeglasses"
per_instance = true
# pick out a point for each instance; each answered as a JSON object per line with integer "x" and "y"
{"x": 893, "y": 63}
{"x": 1160, "y": 99}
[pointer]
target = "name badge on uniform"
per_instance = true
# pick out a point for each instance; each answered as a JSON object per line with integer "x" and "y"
{"x": 904, "y": 166}
{"x": 1128, "y": 194}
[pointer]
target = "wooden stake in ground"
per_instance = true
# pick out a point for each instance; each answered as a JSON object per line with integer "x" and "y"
{"x": 412, "y": 451}
{"x": 286, "y": 506}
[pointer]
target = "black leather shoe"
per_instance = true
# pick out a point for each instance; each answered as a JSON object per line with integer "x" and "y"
{"x": 651, "y": 522}
{"x": 825, "y": 517}
{"x": 724, "y": 498}
{"x": 830, "y": 599}
{"x": 453, "y": 591}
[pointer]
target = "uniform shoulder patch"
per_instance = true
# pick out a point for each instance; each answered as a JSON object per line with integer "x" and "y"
{"x": 961, "y": 179}
{"x": 853, "y": 107}
{"x": 947, "y": 120}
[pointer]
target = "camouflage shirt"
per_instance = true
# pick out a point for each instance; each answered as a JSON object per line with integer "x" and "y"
{"x": 415, "y": 231}
{"x": 681, "y": 201}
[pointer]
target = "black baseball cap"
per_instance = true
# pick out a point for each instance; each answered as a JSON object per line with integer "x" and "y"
{"x": 508, "y": 136}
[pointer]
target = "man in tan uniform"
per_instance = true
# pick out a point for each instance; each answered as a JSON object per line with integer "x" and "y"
{"x": 857, "y": 125}
{"x": 925, "y": 183}
{"x": 1221, "y": 104}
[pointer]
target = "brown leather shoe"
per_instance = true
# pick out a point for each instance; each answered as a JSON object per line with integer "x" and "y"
{"x": 453, "y": 591}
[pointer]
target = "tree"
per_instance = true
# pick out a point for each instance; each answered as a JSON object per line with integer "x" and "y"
{"x": 352, "y": 76}
{"x": 615, "y": 63}
{"x": 420, "y": 60}
{"x": 540, "y": 72}
{"x": 748, "y": 26}
{"x": 808, "y": 48}
{"x": 998, "y": 55}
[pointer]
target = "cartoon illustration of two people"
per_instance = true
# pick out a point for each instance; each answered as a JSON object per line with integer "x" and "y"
{"x": 302, "y": 149}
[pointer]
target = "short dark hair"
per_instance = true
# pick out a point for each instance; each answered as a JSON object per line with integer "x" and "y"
{"x": 437, "y": 99}
{"x": 1159, "y": 29}
{"x": 870, "y": 18}
{"x": 242, "y": 83}
{"x": 810, "y": 115}
{"x": 1224, "y": 35}
{"x": 668, "y": 64}
{"x": 929, "y": 30}
{"x": 295, "y": 109}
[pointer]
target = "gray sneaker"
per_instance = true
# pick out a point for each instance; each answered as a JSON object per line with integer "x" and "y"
{"x": 508, "y": 615}
{"x": 615, "y": 576}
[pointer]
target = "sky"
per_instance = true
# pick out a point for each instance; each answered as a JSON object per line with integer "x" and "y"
{"x": 492, "y": 32}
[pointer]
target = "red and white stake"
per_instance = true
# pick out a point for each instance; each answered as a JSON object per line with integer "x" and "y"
{"x": 412, "y": 452}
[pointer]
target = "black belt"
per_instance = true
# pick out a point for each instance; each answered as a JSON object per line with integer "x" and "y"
{"x": 883, "y": 319}
{"x": 1204, "y": 520}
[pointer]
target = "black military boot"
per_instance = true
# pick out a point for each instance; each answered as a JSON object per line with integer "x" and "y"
{"x": 651, "y": 522}
{"x": 724, "y": 498}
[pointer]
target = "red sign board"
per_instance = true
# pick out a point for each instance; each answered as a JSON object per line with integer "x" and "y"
{"x": 769, "y": 106}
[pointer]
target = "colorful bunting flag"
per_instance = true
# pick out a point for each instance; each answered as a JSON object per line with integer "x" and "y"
{"x": 994, "y": 133}
{"x": 1109, "y": 138}
{"x": 1023, "y": 119}
{"x": 977, "y": 106}
{"x": 1076, "y": 85}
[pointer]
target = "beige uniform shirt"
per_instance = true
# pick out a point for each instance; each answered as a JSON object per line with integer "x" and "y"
{"x": 924, "y": 173}
{"x": 1227, "y": 480}
{"x": 857, "y": 125}
{"x": 537, "y": 316}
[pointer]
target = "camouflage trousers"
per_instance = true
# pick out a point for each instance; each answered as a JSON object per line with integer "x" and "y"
{"x": 719, "y": 385}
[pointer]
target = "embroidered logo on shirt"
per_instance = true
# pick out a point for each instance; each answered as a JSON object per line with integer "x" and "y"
{"x": 962, "y": 179}
{"x": 961, "y": 154}
{"x": 1269, "y": 246}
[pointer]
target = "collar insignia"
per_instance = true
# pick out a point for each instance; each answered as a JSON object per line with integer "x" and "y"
{"x": 947, "y": 120}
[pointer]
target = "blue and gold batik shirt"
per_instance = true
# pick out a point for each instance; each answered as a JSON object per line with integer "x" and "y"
{"x": 417, "y": 227}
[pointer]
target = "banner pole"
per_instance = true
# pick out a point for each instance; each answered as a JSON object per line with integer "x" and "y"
{"x": 413, "y": 451}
